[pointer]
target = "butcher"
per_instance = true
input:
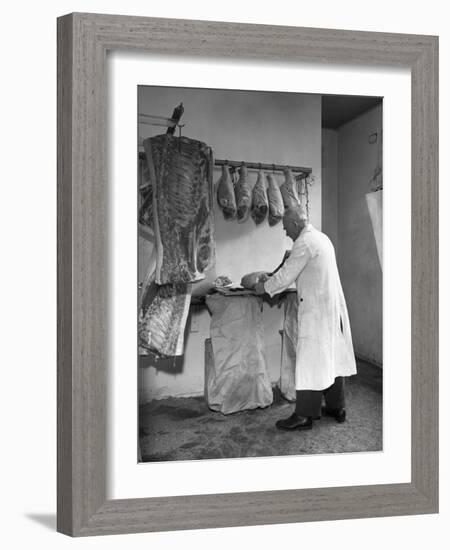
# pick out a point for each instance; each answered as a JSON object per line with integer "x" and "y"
{"x": 324, "y": 352}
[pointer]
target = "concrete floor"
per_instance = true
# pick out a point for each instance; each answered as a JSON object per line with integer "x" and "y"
{"x": 186, "y": 429}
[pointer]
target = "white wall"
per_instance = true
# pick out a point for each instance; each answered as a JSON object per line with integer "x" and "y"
{"x": 330, "y": 185}
{"x": 358, "y": 262}
{"x": 279, "y": 128}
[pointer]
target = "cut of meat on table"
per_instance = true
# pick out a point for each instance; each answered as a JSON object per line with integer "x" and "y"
{"x": 251, "y": 279}
{"x": 162, "y": 317}
{"x": 181, "y": 176}
{"x": 289, "y": 190}
{"x": 225, "y": 194}
{"x": 276, "y": 206}
{"x": 222, "y": 281}
{"x": 260, "y": 206}
{"x": 243, "y": 195}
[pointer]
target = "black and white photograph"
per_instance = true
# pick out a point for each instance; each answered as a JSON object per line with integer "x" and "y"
{"x": 226, "y": 268}
{"x": 260, "y": 274}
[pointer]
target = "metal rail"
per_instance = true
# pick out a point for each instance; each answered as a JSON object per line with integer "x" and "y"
{"x": 263, "y": 166}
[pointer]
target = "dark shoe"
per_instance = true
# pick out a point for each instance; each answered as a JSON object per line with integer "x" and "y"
{"x": 338, "y": 414}
{"x": 295, "y": 422}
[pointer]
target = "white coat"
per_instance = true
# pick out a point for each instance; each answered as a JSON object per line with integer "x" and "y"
{"x": 324, "y": 345}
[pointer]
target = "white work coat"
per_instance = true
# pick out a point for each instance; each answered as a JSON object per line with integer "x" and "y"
{"x": 324, "y": 345}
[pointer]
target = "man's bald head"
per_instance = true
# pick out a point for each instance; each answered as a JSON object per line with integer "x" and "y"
{"x": 297, "y": 213}
{"x": 294, "y": 220}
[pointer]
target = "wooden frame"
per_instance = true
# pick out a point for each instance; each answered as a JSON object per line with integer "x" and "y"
{"x": 83, "y": 40}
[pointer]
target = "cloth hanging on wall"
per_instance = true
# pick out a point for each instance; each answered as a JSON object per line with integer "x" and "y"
{"x": 375, "y": 206}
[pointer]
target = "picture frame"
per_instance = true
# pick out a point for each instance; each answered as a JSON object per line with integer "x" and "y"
{"x": 82, "y": 505}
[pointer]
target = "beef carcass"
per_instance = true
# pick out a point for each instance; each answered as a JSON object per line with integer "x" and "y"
{"x": 260, "y": 205}
{"x": 162, "y": 317}
{"x": 276, "y": 207}
{"x": 146, "y": 195}
{"x": 289, "y": 190}
{"x": 225, "y": 194}
{"x": 243, "y": 195}
{"x": 181, "y": 176}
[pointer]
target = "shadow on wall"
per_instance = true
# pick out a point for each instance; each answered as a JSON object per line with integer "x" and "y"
{"x": 171, "y": 365}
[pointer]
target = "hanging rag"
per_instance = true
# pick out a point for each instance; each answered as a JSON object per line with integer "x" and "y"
{"x": 375, "y": 206}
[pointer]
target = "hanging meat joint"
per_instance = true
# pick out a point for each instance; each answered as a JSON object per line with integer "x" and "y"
{"x": 276, "y": 207}
{"x": 162, "y": 317}
{"x": 181, "y": 176}
{"x": 289, "y": 190}
{"x": 260, "y": 205}
{"x": 225, "y": 194}
{"x": 243, "y": 195}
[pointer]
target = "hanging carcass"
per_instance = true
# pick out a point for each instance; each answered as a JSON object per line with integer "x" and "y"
{"x": 243, "y": 195}
{"x": 289, "y": 190}
{"x": 275, "y": 199}
{"x": 225, "y": 194}
{"x": 260, "y": 206}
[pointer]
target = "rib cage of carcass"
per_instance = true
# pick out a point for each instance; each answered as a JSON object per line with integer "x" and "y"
{"x": 181, "y": 174}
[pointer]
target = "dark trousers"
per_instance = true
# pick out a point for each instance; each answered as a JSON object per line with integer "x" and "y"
{"x": 309, "y": 402}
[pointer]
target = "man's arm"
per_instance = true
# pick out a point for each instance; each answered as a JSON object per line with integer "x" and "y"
{"x": 293, "y": 266}
{"x": 285, "y": 257}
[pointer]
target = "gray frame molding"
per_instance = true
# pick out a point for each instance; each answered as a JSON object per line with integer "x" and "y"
{"x": 83, "y": 40}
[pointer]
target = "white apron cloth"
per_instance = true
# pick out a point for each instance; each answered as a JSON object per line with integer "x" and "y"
{"x": 324, "y": 346}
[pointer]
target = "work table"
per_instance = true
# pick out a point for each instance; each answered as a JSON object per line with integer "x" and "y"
{"x": 230, "y": 293}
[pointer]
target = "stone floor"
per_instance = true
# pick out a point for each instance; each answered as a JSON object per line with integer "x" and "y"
{"x": 186, "y": 429}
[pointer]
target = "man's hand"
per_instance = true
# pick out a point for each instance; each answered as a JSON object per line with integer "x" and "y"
{"x": 259, "y": 288}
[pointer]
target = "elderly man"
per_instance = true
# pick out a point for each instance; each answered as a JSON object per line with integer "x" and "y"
{"x": 324, "y": 346}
